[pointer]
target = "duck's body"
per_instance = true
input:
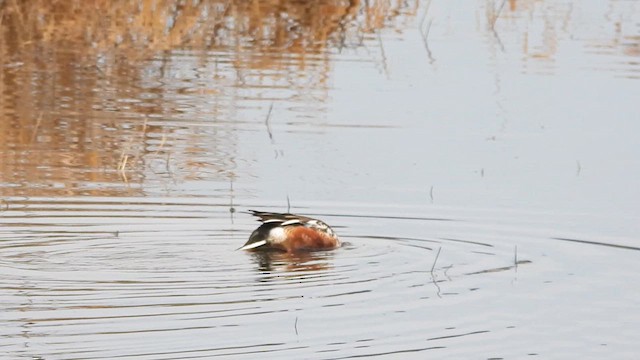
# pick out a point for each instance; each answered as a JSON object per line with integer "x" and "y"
{"x": 290, "y": 233}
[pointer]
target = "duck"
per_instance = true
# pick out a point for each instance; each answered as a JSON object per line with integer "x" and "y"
{"x": 290, "y": 233}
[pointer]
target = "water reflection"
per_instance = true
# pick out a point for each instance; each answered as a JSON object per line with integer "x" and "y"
{"x": 133, "y": 98}
{"x": 542, "y": 30}
{"x": 278, "y": 262}
{"x": 129, "y": 133}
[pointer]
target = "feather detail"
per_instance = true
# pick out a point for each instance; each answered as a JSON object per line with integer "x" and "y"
{"x": 290, "y": 233}
{"x": 253, "y": 245}
{"x": 291, "y": 222}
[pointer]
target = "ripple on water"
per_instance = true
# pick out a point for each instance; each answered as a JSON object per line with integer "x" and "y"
{"x": 164, "y": 282}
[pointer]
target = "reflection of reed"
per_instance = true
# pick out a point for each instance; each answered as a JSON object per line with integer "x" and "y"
{"x": 80, "y": 80}
{"x": 541, "y": 26}
{"x": 150, "y": 26}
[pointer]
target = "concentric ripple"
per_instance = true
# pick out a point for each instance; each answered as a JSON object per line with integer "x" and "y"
{"x": 86, "y": 279}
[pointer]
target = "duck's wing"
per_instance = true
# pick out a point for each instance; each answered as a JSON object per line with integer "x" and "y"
{"x": 286, "y": 219}
{"x": 282, "y": 219}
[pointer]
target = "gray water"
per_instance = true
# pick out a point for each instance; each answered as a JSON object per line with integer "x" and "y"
{"x": 479, "y": 159}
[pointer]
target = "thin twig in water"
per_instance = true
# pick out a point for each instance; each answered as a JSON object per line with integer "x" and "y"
{"x": 288, "y": 204}
{"x": 431, "y": 194}
{"x": 425, "y": 39}
{"x": 124, "y": 177}
{"x": 266, "y": 122}
{"x": 295, "y": 326}
{"x": 383, "y": 54}
{"x": 35, "y": 129}
{"x": 123, "y": 163}
{"x": 425, "y": 32}
{"x": 493, "y": 17}
{"x": 424, "y": 16}
{"x": 435, "y": 260}
{"x": 447, "y": 268}
{"x": 437, "y": 286}
{"x": 496, "y": 15}
{"x": 433, "y": 276}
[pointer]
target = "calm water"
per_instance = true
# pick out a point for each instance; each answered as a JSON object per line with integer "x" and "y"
{"x": 480, "y": 159}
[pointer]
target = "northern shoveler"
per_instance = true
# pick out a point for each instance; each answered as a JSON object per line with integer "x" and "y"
{"x": 290, "y": 233}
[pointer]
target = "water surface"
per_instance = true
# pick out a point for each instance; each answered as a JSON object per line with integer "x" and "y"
{"x": 479, "y": 160}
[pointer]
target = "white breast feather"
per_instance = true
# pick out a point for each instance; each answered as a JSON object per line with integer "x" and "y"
{"x": 277, "y": 234}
